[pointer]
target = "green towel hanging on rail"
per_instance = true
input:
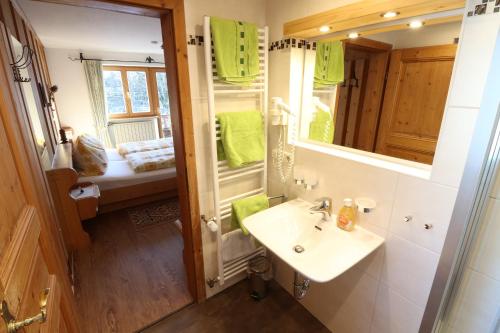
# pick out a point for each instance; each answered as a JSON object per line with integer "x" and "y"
{"x": 236, "y": 49}
{"x": 245, "y": 207}
{"x": 329, "y": 66}
{"x": 242, "y": 137}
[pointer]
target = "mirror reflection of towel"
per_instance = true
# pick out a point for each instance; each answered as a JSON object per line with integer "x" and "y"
{"x": 329, "y": 66}
{"x": 321, "y": 127}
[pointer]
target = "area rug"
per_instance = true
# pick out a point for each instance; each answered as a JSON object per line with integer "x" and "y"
{"x": 157, "y": 213}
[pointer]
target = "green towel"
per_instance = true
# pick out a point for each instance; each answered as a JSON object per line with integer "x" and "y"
{"x": 242, "y": 137}
{"x": 236, "y": 50}
{"x": 329, "y": 67}
{"x": 321, "y": 127}
{"x": 246, "y": 207}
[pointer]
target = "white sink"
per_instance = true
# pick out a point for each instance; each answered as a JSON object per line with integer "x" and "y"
{"x": 327, "y": 252}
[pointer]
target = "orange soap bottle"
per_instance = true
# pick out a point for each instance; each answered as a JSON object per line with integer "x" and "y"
{"x": 346, "y": 219}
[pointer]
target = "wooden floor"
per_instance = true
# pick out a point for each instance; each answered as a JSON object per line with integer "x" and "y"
{"x": 235, "y": 311}
{"x": 129, "y": 279}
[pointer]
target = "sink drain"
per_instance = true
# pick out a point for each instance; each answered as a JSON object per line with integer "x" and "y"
{"x": 298, "y": 248}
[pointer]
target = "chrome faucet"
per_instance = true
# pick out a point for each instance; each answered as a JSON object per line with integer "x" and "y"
{"x": 322, "y": 206}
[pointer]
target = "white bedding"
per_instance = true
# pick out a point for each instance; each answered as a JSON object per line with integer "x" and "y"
{"x": 120, "y": 174}
{"x": 113, "y": 155}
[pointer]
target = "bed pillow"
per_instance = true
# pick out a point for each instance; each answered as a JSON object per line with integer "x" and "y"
{"x": 90, "y": 156}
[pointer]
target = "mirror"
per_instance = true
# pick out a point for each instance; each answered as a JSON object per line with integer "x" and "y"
{"x": 380, "y": 88}
{"x": 35, "y": 115}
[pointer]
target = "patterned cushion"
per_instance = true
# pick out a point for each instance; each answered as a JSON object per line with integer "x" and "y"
{"x": 89, "y": 156}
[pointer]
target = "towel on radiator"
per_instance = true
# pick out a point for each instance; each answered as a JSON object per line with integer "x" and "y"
{"x": 242, "y": 137}
{"x": 245, "y": 207}
{"x": 235, "y": 245}
{"x": 235, "y": 50}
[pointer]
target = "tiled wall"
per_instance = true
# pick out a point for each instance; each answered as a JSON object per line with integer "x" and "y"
{"x": 476, "y": 306}
{"x": 389, "y": 290}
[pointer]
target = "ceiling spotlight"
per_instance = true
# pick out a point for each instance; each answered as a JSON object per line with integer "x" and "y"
{"x": 324, "y": 28}
{"x": 353, "y": 35}
{"x": 415, "y": 24}
{"x": 389, "y": 14}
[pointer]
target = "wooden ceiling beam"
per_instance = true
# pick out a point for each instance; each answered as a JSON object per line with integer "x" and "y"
{"x": 365, "y": 13}
{"x": 400, "y": 26}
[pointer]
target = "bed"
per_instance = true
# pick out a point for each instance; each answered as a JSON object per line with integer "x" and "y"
{"x": 119, "y": 174}
{"x": 120, "y": 186}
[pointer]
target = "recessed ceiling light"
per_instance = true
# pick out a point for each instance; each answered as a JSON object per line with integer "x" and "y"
{"x": 353, "y": 35}
{"x": 415, "y": 24}
{"x": 389, "y": 14}
{"x": 154, "y": 42}
{"x": 324, "y": 28}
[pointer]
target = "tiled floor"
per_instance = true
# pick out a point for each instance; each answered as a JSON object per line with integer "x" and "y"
{"x": 234, "y": 311}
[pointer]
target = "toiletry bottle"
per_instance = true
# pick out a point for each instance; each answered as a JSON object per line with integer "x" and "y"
{"x": 347, "y": 216}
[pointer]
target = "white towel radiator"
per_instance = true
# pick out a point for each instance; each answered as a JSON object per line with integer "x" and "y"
{"x": 231, "y": 184}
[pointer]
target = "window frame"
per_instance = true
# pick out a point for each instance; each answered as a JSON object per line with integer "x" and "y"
{"x": 154, "y": 104}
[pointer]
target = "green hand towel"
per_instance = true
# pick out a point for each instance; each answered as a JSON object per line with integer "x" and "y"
{"x": 242, "y": 137}
{"x": 329, "y": 67}
{"x": 236, "y": 50}
{"x": 246, "y": 207}
{"x": 321, "y": 127}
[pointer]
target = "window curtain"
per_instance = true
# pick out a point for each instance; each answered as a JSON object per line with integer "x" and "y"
{"x": 93, "y": 73}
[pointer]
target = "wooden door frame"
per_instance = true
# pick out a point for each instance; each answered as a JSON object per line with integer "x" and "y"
{"x": 171, "y": 13}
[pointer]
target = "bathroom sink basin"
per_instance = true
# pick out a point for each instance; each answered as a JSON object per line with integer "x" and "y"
{"x": 320, "y": 254}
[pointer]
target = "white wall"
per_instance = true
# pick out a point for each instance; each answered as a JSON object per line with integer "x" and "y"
{"x": 389, "y": 290}
{"x": 72, "y": 99}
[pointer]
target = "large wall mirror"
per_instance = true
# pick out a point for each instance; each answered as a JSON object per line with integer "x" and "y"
{"x": 382, "y": 87}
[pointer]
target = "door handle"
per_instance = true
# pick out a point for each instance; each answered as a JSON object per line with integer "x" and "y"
{"x": 13, "y": 326}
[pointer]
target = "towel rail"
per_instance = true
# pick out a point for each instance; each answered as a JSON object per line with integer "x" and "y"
{"x": 223, "y": 176}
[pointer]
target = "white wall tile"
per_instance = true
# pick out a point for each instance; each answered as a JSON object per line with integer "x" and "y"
{"x": 453, "y": 145}
{"x": 344, "y": 304}
{"x": 409, "y": 269}
{"x": 426, "y": 203}
{"x": 372, "y": 264}
{"x": 395, "y": 314}
{"x": 473, "y": 60}
{"x": 485, "y": 256}
{"x": 339, "y": 179}
{"x": 477, "y": 304}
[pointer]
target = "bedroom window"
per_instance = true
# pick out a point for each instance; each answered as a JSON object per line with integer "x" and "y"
{"x": 132, "y": 92}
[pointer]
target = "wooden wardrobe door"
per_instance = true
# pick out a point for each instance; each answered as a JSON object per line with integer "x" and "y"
{"x": 414, "y": 101}
{"x": 27, "y": 245}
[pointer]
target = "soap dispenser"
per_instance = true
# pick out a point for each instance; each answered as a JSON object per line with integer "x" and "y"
{"x": 346, "y": 219}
